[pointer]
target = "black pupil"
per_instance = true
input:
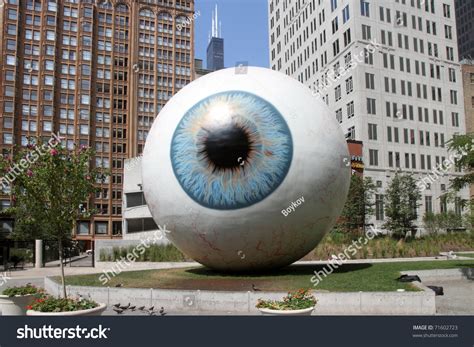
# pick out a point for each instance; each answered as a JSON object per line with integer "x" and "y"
{"x": 227, "y": 147}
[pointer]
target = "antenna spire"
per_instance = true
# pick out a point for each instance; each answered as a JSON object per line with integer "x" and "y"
{"x": 216, "y": 23}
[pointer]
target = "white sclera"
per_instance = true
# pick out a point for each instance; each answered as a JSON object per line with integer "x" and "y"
{"x": 258, "y": 236}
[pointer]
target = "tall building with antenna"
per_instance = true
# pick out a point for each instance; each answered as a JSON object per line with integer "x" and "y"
{"x": 215, "y": 48}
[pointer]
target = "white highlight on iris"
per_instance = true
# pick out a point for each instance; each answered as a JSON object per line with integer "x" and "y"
{"x": 220, "y": 115}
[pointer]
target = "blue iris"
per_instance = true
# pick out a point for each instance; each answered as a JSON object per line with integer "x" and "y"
{"x": 231, "y": 150}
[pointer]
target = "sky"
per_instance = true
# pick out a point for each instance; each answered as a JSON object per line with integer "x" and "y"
{"x": 244, "y": 29}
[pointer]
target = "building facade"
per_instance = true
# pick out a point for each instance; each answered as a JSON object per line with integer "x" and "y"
{"x": 97, "y": 73}
{"x": 215, "y": 54}
{"x": 199, "y": 69}
{"x": 389, "y": 73}
{"x": 468, "y": 81}
{"x": 465, "y": 25}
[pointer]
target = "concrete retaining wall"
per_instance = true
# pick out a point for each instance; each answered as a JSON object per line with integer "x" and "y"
{"x": 358, "y": 303}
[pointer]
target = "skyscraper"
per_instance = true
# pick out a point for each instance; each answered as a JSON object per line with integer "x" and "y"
{"x": 215, "y": 48}
{"x": 389, "y": 73}
{"x": 96, "y": 72}
{"x": 465, "y": 25}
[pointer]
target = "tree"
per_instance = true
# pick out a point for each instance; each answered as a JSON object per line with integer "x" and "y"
{"x": 463, "y": 151}
{"x": 51, "y": 187}
{"x": 359, "y": 205}
{"x": 461, "y": 147}
{"x": 401, "y": 203}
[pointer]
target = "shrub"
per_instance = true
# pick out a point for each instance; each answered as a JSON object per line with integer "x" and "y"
{"x": 154, "y": 253}
{"x": 29, "y": 289}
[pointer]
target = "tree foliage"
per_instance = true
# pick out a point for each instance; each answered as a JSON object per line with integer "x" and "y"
{"x": 359, "y": 205}
{"x": 401, "y": 204}
{"x": 461, "y": 146}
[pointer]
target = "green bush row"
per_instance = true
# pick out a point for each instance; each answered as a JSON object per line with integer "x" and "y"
{"x": 387, "y": 247}
{"x": 155, "y": 253}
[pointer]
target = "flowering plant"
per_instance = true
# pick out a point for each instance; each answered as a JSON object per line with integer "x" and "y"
{"x": 297, "y": 300}
{"x": 53, "y": 304}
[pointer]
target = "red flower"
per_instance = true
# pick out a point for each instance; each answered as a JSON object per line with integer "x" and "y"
{"x": 29, "y": 307}
{"x": 53, "y": 152}
{"x": 29, "y": 173}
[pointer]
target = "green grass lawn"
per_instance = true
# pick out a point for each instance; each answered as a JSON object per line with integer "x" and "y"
{"x": 347, "y": 278}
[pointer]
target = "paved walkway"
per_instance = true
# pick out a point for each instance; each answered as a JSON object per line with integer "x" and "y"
{"x": 458, "y": 298}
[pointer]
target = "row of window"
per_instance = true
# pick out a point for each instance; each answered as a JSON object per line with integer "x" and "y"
{"x": 410, "y": 160}
{"x": 393, "y": 135}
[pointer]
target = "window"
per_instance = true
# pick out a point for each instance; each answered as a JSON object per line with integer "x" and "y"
{"x": 379, "y": 213}
{"x": 458, "y": 206}
{"x": 350, "y": 135}
{"x": 141, "y": 225}
{"x": 6, "y": 226}
{"x": 454, "y": 97}
{"x": 333, "y": 5}
{"x": 446, "y": 11}
{"x": 373, "y": 157}
{"x": 101, "y": 228}
{"x": 339, "y": 115}
{"x": 349, "y": 85}
{"x": 350, "y": 109}
{"x": 372, "y": 131}
{"x": 369, "y": 80}
{"x": 368, "y": 57}
{"x": 371, "y": 109}
{"x": 364, "y": 8}
{"x": 347, "y": 37}
{"x": 7, "y": 139}
{"x": 389, "y": 134}
{"x": 83, "y": 228}
{"x": 455, "y": 119}
{"x": 345, "y": 14}
{"x": 336, "y": 47}
{"x": 366, "y": 32}
{"x": 452, "y": 75}
{"x": 8, "y": 122}
{"x": 335, "y": 25}
{"x": 135, "y": 199}
{"x": 338, "y": 93}
{"x": 450, "y": 53}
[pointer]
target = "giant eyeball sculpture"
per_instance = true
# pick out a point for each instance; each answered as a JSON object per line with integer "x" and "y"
{"x": 247, "y": 169}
